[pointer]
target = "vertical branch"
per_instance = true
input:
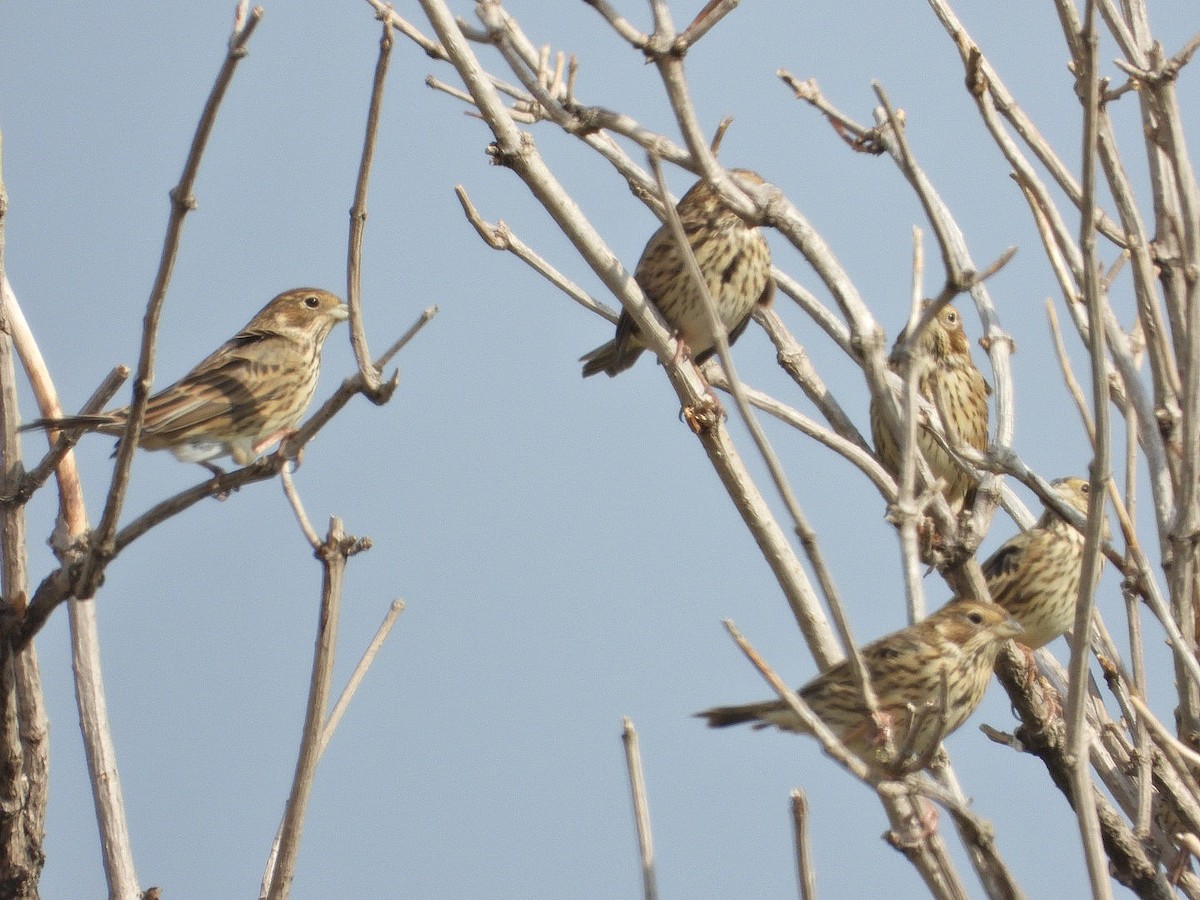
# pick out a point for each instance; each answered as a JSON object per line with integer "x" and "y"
{"x": 641, "y": 808}
{"x": 906, "y": 502}
{"x": 1144, "y": 756}
{"x": 23, "y": 747}
{"x": 805, "y": 876}
{"x": 116, "y": 850}
{"x": 333, "y": 554}
{"x": 1077, "y": 729}
{"x": 339, "y": 708}
{"x": 358, "y": 223}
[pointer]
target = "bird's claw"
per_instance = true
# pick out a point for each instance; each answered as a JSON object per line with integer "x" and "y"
{"x": 705, "y": 415}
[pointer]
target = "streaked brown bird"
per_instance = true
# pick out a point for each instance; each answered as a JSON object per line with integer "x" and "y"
{"x": 1035, "y": 575}
{"x": 948, "y": 379}
{"x": 959, "y": 643}
{"x": 736, "y": 263}
{"x": 247, "y": 395}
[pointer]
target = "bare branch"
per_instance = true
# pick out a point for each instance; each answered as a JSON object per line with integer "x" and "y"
{"x": 333, "y": 553}
{"x": 641, "y": 808}
{"x": 182, "y": 202}
{"x": 297, "y": 505}
{"x": 360, "y": 671}
{"x": 374, "y": 389}
{"x": 24, "y": 756}
{"x": 805, "y": 876}
{"x": 117, "y": 851}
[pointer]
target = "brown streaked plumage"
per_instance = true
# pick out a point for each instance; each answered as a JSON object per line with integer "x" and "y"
{"x": 906, "y": 668}
{"x": 947, "y": 378}
{"x": 1035, "y": 575}
{"x": 248, "y": 394}
{"x": 736, "y": 263}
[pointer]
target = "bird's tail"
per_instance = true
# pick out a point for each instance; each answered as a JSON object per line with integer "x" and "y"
{"x": 67, "y": 423}
{"x": 758, "y": 713}
{"x": 611, "y": 358}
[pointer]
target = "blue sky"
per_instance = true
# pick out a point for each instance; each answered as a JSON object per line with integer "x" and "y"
{"x": 566, "y": 553}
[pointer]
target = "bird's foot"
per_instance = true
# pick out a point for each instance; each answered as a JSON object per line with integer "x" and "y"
{"x": 217, "y": 472}
{"x": 705, "y": 415}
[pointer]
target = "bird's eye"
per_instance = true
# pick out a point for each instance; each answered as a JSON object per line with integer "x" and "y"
{"x": 951, "y": 317}
{"x": 312, "y": 301}
{"x": 1085, "y": 488}
{"x": 975, "y": 618}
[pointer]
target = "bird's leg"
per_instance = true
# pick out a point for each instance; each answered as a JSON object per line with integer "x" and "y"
{"x": 885, "y": 734}
{"x": 705, "y": 415}
{"x": 280, "y": 437}
{"x": 217, "y": 472}
{"x": 284, "y": 437}
{"x": 1178, "y": 865}
{"x": 928, "y": 818}
{"x": 681, "y": 349}
{"x": 1031, "y": 672}
{"x": 878, "y": 733}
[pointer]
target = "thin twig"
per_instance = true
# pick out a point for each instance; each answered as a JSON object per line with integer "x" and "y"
{"x": 182, "y": 202}
{"x": 713, "y": 12}
{"x": 852, "y": 451}
{"x": 297, "y": 505}
{"x": 805, "y": 876}
{"x": 1077, "y": 730}
{"x": 906, "y": 502}
{"x": 373, "y": 388}
{"x": 641, "y": 807}
{"x": 499, "y": 236}
{"x": 335, "y": 717}
{"x": 812, "y": 723}
{"x": 360, "y": 671}
{"x": 1068, "y": 374}
{"x": 46, "y": 467}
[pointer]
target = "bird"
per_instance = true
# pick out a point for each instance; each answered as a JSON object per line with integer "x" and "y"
{"x": 948, "y": 379}
{"x": 249, "y": 393}
{"x": 1034, "y": 576}
{"x": 736, "y": 263}
{"x": 941, "y": 664}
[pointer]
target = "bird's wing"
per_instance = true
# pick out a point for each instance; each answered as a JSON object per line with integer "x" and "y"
{"x": 1003, "y": 567}
{"x": 209, "y": 394}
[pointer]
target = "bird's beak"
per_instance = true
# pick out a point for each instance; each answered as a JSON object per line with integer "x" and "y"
{"x": 1009, "y": 628}
{"x": 340, "y": 313}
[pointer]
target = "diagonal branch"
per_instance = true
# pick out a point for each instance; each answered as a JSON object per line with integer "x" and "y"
{"x": 182, "y": 202}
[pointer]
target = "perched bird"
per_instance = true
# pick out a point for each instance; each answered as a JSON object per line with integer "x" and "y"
{"x": 247, "y": 395}
{"x": 736, "y": 263}
{"x": 959, "y": 643}
{"x": 947, "y": 378}
{"x": 1035, "y": 575}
